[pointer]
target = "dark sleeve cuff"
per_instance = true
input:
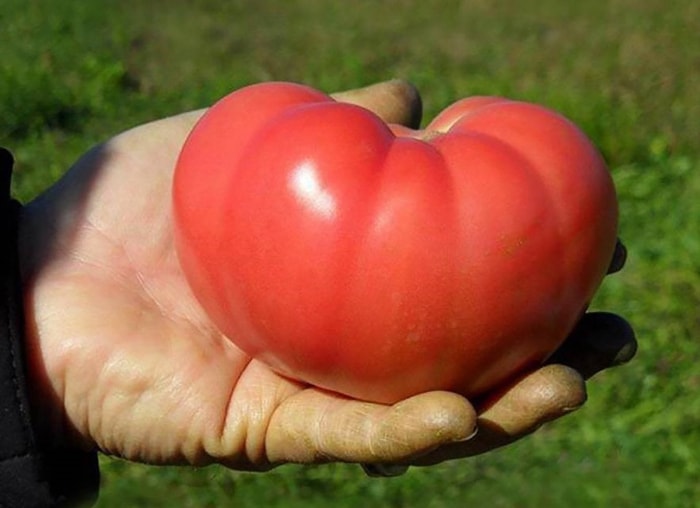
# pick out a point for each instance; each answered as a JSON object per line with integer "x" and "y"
{"x": 29, "y": 476}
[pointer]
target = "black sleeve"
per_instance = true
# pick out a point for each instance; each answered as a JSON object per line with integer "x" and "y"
{"x": 29, "y": 476}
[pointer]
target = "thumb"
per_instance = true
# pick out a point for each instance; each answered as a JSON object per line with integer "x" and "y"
{"x": 395, "y": 101}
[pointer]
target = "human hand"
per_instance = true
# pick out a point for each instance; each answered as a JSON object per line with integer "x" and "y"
{"x": 123, "y": 359}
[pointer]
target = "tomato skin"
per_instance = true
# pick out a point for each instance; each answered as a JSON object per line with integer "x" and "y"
{"x": 380, "y": 262}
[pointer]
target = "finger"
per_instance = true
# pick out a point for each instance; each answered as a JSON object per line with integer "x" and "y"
{"x": 316, "y": 426}
{"x": 396, "y": 101}
{"x": 600, "y": 340}
{"x": 518, "y": 410}
{"x": 541, "y": 396}
{"x": 619, "y": 257}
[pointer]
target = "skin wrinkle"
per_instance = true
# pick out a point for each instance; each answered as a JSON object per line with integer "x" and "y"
{"x": 176, "y": 388}
{"x": 146, "y": 313}
{"x": 284, "y": 400}
{"x": 290, "y": 432}
{"x": 245, "y": 421}
{"x": 195, "y": 446}
{"x": 257, "y": 420}
{"x": 379, "y": 443}
{"x": 65, "y": 367}
{"x": 317, "y": 435}
{"x": 82, "y": 260}
{"x": 147, "y": 295}
{"x": 375, "y": 437}
{"x": 393, "y": 441}
{"x": 142, "y": 399}
{"x": 439, "y": 421}
{"x": 223, "y": 439}
{"x": 132, "y": 394}
{"x": 101, "y": 427}
{"x": 388, "y": 443}
{"x": 142, "y": 292}
{"x": 258, "y": 451}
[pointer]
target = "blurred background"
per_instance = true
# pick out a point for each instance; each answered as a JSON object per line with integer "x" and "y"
{"x": 75, "y": 72}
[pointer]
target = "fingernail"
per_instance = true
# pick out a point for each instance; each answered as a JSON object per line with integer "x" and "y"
{"x": 467, "y": 438}
{"x": 619, "y": 258}
{"x": 384, "y": 470}
{"x": 570, "y": 409}
{"x": 613, "y": 336}
{"x": 625, "y": 354}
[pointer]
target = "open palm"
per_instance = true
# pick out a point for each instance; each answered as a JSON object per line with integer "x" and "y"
{"x": 127, "y": 362}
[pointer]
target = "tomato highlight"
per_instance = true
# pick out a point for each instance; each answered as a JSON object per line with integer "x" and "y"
{"x": 381, "y": 262}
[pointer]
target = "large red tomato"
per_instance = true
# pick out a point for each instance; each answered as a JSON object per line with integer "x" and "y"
{"x": 381, "y": 262}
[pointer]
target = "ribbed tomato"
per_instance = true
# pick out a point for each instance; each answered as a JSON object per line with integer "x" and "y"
{"x": 381, "y": 262}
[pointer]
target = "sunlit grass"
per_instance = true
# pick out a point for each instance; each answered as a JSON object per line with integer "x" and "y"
{"x": 74, "y": 72}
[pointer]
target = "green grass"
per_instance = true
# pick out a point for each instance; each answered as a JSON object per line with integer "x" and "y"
{"x": 75, "y": 72}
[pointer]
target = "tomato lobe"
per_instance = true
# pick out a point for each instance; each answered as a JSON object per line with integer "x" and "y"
{"x": 381, "y": 262}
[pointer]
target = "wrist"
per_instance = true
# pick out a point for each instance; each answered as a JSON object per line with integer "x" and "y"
{"x": 36, "y": 469}
{"x": 45, "y": 385}
{"x": 40, "y": 397}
